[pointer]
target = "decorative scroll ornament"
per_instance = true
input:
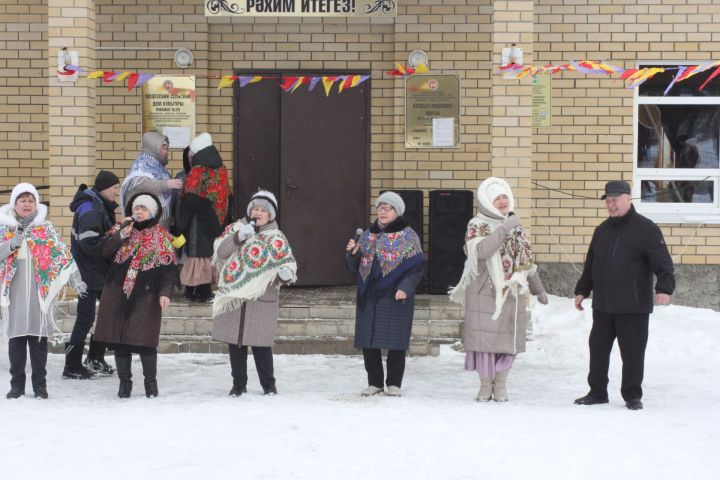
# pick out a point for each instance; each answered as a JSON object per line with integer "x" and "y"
{"x": 215, "y": 6}
{"x": 386, "y": 6}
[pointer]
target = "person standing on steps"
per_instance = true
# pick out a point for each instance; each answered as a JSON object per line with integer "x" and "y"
{"x": 142, "y": 277}
{"x": 498, "y": 275}
{"x": 625, "y": 252}
{"x": 388, "y": 260}
{"x": 94, "y": 216}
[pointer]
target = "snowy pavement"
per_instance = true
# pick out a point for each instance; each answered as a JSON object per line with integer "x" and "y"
{"x": 318, "y": 427}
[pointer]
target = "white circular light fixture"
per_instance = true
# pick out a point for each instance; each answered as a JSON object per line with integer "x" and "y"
{"x": 183, "y": 58}
{"x": 418, "y": 57}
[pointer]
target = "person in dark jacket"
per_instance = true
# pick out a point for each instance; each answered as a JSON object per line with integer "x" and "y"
{"x": 388, "y": 259}
{"x": 204, "y": 209}
{"x": 625, "y": 251}
{"x": 94, "y": 210}
{"x": 141, "y": 279}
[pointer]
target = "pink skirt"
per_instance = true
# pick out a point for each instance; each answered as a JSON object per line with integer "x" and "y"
{"x": 488, "y": 364}
{"x": 196, "y": 271}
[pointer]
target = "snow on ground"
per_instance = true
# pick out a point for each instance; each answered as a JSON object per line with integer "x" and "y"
{"x": 319, "y": 427}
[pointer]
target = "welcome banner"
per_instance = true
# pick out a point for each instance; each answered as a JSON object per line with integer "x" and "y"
{"x": 301, "y": 8}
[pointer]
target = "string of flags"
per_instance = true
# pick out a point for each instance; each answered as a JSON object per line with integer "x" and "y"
{"x": 633, "y": 76}
{"x": 401, "y": 71}
{"x": 286, "y": 83}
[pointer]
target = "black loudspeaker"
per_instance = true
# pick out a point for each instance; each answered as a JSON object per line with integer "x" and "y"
{"x": 450, "y": 212}
{"x": 414, "y": 209}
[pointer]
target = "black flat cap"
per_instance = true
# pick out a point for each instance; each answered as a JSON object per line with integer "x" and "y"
{"x": 615, "y": 188}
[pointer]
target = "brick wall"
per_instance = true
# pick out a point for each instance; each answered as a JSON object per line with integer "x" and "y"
{"x": 23, "y": 93}
{"x": 591, "y": 139}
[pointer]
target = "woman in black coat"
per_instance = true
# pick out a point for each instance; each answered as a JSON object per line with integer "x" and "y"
{"x": 388, "y": 259}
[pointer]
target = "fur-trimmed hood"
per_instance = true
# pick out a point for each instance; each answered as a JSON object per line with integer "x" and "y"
{"x": 7, "y": 215}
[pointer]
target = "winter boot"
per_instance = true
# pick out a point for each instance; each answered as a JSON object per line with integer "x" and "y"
{"x": 203, "y": 293}
{"x": 500, "y": 393}
{"x": 486, "y": 390}
{"x": 149, "y": 364}
{"x": 41, "y": 392}
{"x": 73, "y": 363}
{"x": 237, "y": 390}
{"x": 15, "y": 392}
{"x": 123, "y": 364}
{"x": 189, "y": 293}
{"x": 95, "y": 359}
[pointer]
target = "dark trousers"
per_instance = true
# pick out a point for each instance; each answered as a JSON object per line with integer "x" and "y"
{"x": 148, "y": 358}
{"x": 17, "y": 351}
{"x": 374, "y": 367}
{"x": 263, "y": 362}
{"x": 85, "y": 317}
{"x": 631, "y": 331}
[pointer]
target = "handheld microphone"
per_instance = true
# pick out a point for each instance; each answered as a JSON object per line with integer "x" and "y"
{"x": 510, "y": 214}
{"x": 127, "y": 222}
{"x": 358, "y": 232}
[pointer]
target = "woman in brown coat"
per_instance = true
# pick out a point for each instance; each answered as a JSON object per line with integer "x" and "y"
{"x": 142, "y": 276}
{"x": 253, "y": 258}
{"x": 498, "y": 275}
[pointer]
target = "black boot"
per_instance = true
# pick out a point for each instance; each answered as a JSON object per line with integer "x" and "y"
{"x": 189, "y": 293}
{"x": 15, "y": 392}
{"x": 95, "y": 360}
{"x": 73, "y": 363}
{"x": 41, "y": 392}
{"x": 237, "y": 390}
{"x": 123, "y": 363}
{"x": 203, "y": 293}
{"x": 149, "y": 364}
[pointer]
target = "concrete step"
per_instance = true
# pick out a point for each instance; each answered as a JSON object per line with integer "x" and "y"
{"x": 309, "y": 323}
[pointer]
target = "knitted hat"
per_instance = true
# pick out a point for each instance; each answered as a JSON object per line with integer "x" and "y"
{"x": 104, "y": 180}
{"x": 148, "y": 202}
{"x": 392, "y": 199}
{"x": 266, "y": 200}
{"x": 200, "y": 142}
{"x": 21, "y": 188}
{"x": 489, "y": 190}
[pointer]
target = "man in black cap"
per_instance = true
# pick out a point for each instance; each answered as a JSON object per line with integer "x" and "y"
{"x": 94, "y": 210}
{"x": 625, "y": 251}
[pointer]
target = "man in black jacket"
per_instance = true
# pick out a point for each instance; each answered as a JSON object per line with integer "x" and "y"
{"x": 625, "y": 251}
{"x": 94, "y": 210}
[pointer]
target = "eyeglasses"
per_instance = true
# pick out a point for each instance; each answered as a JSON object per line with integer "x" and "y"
{"x": 384, "y": 208}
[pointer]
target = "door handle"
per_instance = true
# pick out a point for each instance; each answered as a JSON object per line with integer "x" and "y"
{"x": 289, "y": 186}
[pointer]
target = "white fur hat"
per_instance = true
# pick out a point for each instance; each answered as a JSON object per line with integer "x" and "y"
{"x": 392, "y": 199}
{"x": 148, "y": 202}
{"x": 200, "y": 142}
{"x": 21, "y": 188}
{"x": 266, "y": 200}
{"x": 490, "y": 189}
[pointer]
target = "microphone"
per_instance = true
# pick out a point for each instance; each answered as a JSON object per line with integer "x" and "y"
{"x": 127, "y": 222}
{"x": 358, "y": 232}
{"x": 510, "y": 214}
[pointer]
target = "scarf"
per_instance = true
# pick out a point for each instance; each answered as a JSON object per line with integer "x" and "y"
{"x": 397, "y": 250}
{"x": 210, "y": 183}
{"x": 252, "y": 268}
{"x": 145, "y": 165}
{"x": 53, "y": 264}
{"x": 508, "y": 267}
{"x": 147, "y": 249}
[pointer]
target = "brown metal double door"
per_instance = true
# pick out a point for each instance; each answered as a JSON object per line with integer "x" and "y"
{"x": 311, "y": 150}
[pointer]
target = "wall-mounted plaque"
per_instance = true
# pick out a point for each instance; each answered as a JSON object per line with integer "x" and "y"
{"x": 169, "y": 108}
{"x": 541, "y": 101}
{"x": 432, "y": 111}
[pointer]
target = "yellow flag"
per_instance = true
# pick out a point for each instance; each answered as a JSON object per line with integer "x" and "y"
{"x": 122, "y": 76}
{"x": 255, "y": 80}
{"x": 328, "y": 83}
{"x": 96, "y": 74}
{"x": 226, "y": 81}
{"x": 421, "y": 68}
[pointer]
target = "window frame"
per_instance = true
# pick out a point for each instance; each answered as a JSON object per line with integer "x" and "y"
{"x": 665, "y": 212}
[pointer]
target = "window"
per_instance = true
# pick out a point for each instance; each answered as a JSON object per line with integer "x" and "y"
{"x": 676, "y": 172}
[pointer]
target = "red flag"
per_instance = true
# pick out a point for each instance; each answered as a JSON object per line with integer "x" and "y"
{"x": 287, "y": 83}
{"x": 627, "y": 73}
{"x": 713, "y": 75}
{"x": 108, "y": 76}
{"x": 132, "y": 80}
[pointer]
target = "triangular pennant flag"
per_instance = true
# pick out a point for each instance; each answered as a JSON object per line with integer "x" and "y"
{"x": 313, "y": 82}
{"x": 109, "y": 76}
{"x": 681, "y": 70}
{"x": 301, "y": 81}
{"x": 363, "y": 78}
{"x": 226, "y": 81}
{"x": 712, "y": 75}
{"x": 244, "y": 80}
{"x": 328, "y": 83}
{"x": 122, "y": 76}
{"x": 287, "y": 83}
{"x": 627, "y": 73}
{"x": 132, "y": 80}
{"x": 144, "y": 77}
{"x": 96, "y": 74}
{"x": 421, "y": 68}
{"x": 343, "y": 83}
